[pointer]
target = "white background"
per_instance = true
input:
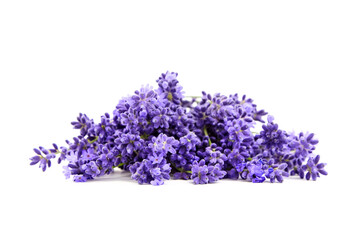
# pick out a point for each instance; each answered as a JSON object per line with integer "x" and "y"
{"x": 299, "y": 60}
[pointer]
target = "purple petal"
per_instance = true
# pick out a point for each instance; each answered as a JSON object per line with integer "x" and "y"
{"x": 37, "y": 151}
{"x": 282, "y": 166}
{"x": 320, "y": 165}
{"x": 313, "y": 176}
{"x": 310, "y": 137}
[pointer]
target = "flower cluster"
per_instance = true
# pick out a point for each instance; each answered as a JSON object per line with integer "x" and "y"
{"x": 158, "y": 133}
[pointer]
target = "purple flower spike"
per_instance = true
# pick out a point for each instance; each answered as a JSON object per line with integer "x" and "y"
{"x": 255, "y": 172}
{"x": 161, "y": 118}
{"x": 91, "y": 169}
{"x": 277, "y": 172}
{"x": 313, "y": 169}
{"x": 80, "y": 178}
{"x": 272, "y": 136}
{"x": 199, "y": 173}
{"x": 169, "y": 88}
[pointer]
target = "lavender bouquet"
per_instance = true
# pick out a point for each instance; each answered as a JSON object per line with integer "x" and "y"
{"x": 158, "y": 133}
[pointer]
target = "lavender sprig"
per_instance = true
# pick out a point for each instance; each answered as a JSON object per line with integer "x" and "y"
{"x": 158, "y": 133}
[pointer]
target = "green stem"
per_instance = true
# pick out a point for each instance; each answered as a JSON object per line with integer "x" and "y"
{"x": 207, "y": 134}
{"x": 179, "y": 169}
{"x": 121, "y": 164}
{"x": 96, "y": 138}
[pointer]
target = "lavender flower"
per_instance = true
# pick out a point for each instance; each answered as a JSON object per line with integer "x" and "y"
{"x": 145, "y": 99}
{"x": 44, "y": 161}
{"x": 67, "y": 172}
{"x": 128, "y": 143}
{"x": 277, "y": 172}
{"x": 313, "y": 168}
{"x": 189, "y": 142}
{"x": 105, "y": 128}
{"x": 88, "y": 154}
{"x": 161, "y": 118}
{"x": 164, "y": 144}
{"x": 272, "y": 136}
{"x": 169, "y": 89}
{"x": 80, "y": 178}
{"x": 215, "y": 173}
{"x": 83, "y": 123}
{"x": 151, "y": 172}
{"x": 200, "y": 172}
{"x": 214, "y": 156}
{"x": 253, "y": 171}
{"x": 203, "y": 174}
{"x": 238, "y": 130}
{"x": 156, "y": 134}
{"x": 304, "y": 144}
{"x": 91, "y": 169}
{"x": 72, "y": 157}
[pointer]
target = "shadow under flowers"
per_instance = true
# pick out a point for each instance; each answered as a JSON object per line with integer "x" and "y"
{"x": 125, "y": 176}
{"x": 117, "y": 175}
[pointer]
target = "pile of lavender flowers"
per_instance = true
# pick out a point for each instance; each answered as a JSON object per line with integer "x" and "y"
{"x": 159, "y": 133}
